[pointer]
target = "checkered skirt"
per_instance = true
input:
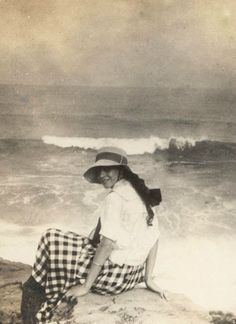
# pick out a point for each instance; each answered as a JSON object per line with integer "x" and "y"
{"x": 63, "y": 260}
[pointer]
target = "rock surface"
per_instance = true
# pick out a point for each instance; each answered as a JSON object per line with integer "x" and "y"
{"x": 138, "y": 306}
{"x": 12, "y": 274}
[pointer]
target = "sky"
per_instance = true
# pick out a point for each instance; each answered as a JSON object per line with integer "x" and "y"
{"x": 151, "y": 43}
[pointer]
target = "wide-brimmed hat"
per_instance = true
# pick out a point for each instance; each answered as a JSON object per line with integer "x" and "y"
{"x": 106, "y": 156}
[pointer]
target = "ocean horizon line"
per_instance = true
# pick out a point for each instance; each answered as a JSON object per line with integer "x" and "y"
{"x": 115, "y": 86}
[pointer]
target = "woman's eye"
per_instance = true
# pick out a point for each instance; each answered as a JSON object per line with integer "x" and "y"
{"x": 107, "y": 169}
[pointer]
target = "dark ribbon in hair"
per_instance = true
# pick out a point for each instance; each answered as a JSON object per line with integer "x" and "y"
{"x": 155, "y": 197}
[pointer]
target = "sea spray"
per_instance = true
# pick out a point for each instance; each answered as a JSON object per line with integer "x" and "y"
{"x": 201, "y": 268}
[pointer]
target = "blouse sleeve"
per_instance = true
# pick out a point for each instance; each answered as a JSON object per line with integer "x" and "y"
{"x": 111, "y": 216}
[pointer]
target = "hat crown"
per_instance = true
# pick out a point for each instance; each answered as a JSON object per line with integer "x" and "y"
{"x": 112, "y": 149}
{"x": 114, "y": 154}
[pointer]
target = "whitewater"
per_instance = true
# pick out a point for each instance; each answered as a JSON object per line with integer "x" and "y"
{"x": 130, "y": 145}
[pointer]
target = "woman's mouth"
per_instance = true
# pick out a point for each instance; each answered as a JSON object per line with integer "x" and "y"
{"x": 105, "y": 179}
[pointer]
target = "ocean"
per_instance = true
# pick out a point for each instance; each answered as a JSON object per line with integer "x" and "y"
{"x": 190, "y": 155}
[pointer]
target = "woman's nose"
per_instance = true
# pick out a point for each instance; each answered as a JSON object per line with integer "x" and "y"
{"x": 102, "y": 173}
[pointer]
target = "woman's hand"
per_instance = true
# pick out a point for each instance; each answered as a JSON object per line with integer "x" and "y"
{"x": 153, "y": 287}
{"x": 74, "y": 292}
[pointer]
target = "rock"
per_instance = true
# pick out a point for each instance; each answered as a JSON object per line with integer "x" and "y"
{"x": 218, "y": 317}
{"x": 12, "y": 274}
{"x": 137, "y": 306}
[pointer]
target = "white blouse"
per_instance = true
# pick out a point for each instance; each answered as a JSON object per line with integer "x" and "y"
{"x": 123, "y": 220}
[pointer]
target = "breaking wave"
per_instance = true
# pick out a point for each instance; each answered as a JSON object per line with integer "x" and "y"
{"x": 131, "y": 145}
{"x": 175, "y": 148}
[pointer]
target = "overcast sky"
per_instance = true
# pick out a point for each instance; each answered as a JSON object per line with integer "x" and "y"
{"x": 119, "y": 43}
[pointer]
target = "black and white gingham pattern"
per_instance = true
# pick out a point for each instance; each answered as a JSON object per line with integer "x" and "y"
{"x": 63, "y": 259}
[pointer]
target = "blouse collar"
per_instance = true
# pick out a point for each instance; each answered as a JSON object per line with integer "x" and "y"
{"x": 125, "y": 189}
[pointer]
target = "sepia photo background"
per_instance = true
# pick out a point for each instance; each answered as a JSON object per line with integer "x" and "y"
{"x": 155, "y": 77}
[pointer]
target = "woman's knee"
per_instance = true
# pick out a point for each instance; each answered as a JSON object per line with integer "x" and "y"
{"x": 47, "y": 237}
{"x": 49, "y": 233}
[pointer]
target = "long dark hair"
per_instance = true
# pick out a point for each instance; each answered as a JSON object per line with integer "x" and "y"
{"x": 141, "y": 189}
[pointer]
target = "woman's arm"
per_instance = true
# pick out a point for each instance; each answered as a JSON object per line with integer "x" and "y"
{"x": 150, "y": 264}
{"x": 102, "y": 253}
{"x": 110, "y": 219}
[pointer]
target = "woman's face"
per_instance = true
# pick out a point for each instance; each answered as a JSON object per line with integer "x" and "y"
{"x": 109, "y": 176}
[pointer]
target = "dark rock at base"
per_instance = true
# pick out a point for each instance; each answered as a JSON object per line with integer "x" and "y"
{"x": 12, "y": 275}
{"x": 218, "y": 317}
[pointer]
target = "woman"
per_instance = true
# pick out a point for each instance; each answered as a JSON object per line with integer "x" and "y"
{"x": 69, "y": 266}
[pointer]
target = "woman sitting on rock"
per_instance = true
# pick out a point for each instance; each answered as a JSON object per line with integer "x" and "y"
{"x": 122, "y": 255}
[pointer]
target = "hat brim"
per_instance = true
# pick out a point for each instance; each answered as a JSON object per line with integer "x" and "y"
{"x": 92, "y": 174}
